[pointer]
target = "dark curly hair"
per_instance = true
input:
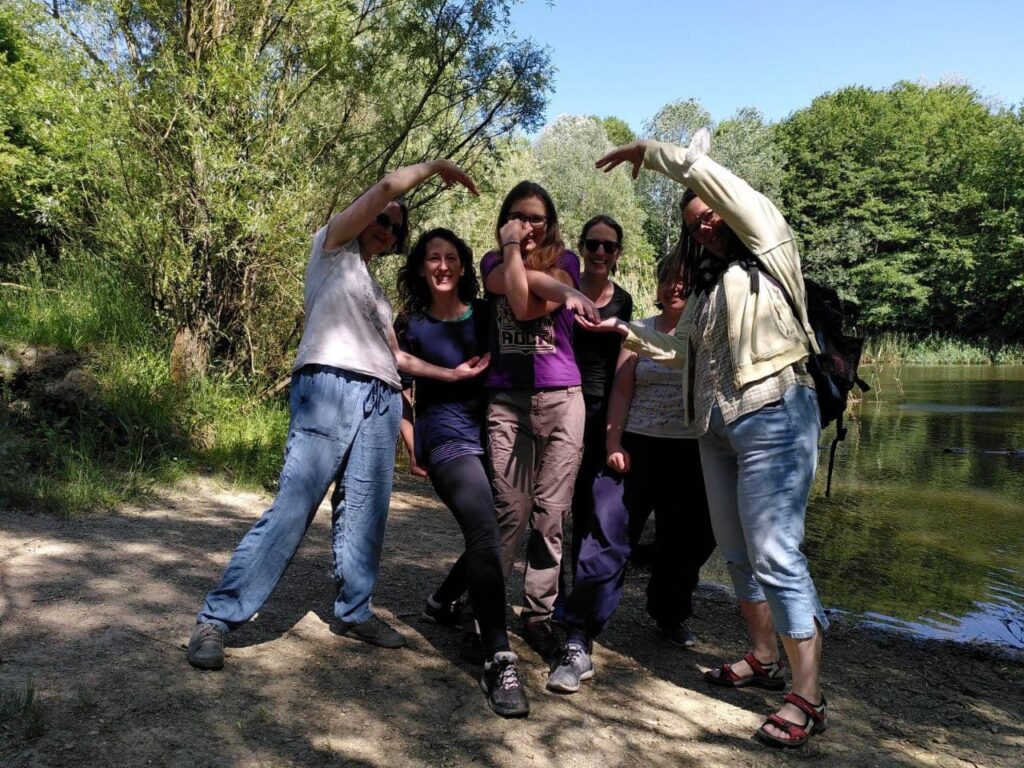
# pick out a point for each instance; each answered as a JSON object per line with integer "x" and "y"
{"x": 413, "y": 291}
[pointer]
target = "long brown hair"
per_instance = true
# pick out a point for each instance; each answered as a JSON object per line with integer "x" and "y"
{"x": 546, "y": 254}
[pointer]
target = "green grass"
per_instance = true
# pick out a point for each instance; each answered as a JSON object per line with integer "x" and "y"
{"x": 895, "y": 348}
{"x": 138, "y": 428}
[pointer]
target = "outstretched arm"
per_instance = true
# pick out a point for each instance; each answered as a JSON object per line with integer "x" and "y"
{"x": 346, "y": 224}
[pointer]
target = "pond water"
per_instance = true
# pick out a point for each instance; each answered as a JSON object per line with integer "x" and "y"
{"x": 924, "y": 530}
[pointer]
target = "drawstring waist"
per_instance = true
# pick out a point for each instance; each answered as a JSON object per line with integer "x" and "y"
{"x": 377, "y": 399}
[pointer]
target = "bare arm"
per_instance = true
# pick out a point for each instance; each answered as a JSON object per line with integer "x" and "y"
{"x": 411, "y": 364}
{"x": 618, "y": 410}
{"x": 346, "y": 224}
{"x": 544, "y": 293}
{"x": 407, "y": 433}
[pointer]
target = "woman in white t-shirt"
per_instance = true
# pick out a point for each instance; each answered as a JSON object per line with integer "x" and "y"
{"x": 345, "y": 413}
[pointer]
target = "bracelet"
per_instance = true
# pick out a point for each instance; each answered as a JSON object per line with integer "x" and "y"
{"x": 510, "y": 242}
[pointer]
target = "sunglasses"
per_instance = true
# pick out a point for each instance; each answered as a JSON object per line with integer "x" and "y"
{"x": 385, "y": 221}
{"x": 534, "y": 220}
{"x": 610, "y": 246}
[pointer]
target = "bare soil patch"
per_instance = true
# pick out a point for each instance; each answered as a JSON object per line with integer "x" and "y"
{"x": 96, "y": 610}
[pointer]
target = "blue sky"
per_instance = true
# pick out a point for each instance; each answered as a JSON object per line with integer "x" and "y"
{"x": 624, "y": 58}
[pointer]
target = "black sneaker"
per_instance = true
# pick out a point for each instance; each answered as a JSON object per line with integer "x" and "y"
{"x": 206, "y": 647}
{"x": 471, "y": 649}
{"x": 540, "y": 636}
{"x": 444, "y": 614}
{"x": 500, "y": 682}
{"x": 677, "y": 634}
{"x": 374, "y": 631}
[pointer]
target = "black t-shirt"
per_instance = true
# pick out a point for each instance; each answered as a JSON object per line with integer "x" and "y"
{"x": 596, "y": 353}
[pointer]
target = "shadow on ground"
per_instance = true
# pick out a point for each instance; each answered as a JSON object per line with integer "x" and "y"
{"x": 96, "y": 612}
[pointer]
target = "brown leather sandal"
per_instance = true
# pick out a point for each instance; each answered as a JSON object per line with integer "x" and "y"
{"x": 770, "y": 675}
{"x": 797, "y": 733}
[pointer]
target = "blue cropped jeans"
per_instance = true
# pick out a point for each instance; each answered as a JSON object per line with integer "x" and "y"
{"x": 758, "y": 472}
{"x": 343, "y": 430}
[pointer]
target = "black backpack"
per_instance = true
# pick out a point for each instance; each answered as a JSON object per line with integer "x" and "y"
{"x": 834, "y": 369}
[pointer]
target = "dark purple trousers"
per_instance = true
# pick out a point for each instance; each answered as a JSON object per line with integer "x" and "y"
{"x": 665, "y": 478}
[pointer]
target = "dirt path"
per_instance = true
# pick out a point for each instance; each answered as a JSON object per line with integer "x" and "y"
{"x": 96, "y": 611}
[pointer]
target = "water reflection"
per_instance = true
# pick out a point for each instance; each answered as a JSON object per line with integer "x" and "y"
{"x": 925, "y": 527}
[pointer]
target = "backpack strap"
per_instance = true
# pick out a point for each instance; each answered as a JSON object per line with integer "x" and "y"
{"x": 840, "y": 436}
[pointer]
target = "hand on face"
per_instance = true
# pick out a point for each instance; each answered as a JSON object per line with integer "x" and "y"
{"x": 515, "y": 231}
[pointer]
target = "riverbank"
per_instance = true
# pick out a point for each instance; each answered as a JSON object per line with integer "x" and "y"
{"x": 96, "y": 612}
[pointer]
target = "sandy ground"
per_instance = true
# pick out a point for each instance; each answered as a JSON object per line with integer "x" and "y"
{"x": 96, "y": 611}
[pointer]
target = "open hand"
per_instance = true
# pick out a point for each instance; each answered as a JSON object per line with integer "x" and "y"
{"x": 472, "y": 367}
{"x": 627, "y": 153}
{"x": 584, "y": 308}
{"x": 611, "y": 325}
{"x": 451, "y": 175}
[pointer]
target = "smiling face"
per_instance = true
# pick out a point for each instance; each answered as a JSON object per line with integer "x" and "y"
{"x": 442, "y": 267}
{"x": 705, "y": 226}
{"x": 600, "y": 262}
{"x": 532, "y": 210}
{"x": 670, "y": 295}
{"x": 378, "y": 237}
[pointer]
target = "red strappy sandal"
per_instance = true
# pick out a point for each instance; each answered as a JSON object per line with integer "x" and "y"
{"x": 770, "y": 675}
{"x": 798, "y": 733}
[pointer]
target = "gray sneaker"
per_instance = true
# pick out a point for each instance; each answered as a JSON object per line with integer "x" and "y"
{"x": 574, "y": 667}
{"x": 206, "y": 647}
{"x": 374, "y": 631}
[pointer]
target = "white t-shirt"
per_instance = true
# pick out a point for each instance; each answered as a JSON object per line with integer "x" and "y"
{"x": 348, "y": 315}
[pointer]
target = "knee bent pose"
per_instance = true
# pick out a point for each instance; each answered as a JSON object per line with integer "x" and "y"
{"x": 345, "y": 414}
{"x": 747, "y": 393}
{"x": 444, "y": 323}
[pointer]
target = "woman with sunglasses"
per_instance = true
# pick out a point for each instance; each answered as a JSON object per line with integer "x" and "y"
{"x": 535, "y": 409}
{"x": 345, "y": 413}
{"x": 647, "y": 443}
{"x": 600, "y": 245}
{"x": 443, "y": 322}
{"x": 742, "y": 343}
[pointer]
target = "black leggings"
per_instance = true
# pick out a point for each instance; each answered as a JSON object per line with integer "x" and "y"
{"x": 463, "y": 485}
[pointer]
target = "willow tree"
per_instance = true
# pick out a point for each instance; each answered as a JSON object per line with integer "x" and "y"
{"x": 239, "y": 125}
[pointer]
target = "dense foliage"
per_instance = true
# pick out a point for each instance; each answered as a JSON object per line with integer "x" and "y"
{"x": 163, "y": 163}
{"x": 186, "y": 150}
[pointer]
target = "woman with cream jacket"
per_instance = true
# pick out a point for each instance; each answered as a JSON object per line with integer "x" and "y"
{"x": 742, "y": 343}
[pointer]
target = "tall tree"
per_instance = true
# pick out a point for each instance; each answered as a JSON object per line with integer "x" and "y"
{"x": 246, "y": 122}
{"x": 675, "y": 122}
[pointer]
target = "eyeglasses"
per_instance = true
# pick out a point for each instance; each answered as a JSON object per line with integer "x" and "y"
{"x": 703, "y": 220}
{"x": 385, "y": 221}
{"x": 533, "y": 219}
{"x": 610, "y": 246}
